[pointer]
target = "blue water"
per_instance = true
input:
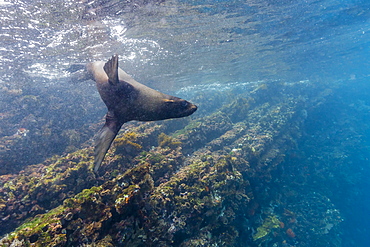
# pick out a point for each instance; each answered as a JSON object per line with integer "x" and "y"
{"x": 185, "y": 47}
{"x": 347, "y": 180}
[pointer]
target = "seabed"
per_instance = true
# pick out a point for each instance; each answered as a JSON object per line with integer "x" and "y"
{"x": 236, "y": 176}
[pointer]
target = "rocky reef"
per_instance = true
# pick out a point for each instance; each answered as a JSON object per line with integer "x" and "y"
{"x": 219, "y": 179}
{"x": 38, "y": 122}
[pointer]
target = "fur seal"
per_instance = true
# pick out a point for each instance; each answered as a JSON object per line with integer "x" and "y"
{"x": 126, "y": 100}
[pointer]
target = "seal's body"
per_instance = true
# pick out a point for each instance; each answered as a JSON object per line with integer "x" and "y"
{"x": 126, "y": 100}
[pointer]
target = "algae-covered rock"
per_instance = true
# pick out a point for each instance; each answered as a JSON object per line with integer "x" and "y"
{"x": 268, "y": 225}
{"x": 208, "y": 181}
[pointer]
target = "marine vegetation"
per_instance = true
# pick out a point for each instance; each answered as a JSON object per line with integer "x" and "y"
{"x": 127, "y": 143}
{"x": 222, "y": 179}
{"x": 268, "y": 225}
{"x": 167, "y": 141}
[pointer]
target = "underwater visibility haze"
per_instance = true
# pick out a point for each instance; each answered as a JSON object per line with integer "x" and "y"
{"x": 277, "y": 153}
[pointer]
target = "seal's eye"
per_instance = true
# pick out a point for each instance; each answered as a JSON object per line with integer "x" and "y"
{"x": 184, "y": 104}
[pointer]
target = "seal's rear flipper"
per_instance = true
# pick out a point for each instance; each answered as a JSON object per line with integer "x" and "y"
{"x": 111, "y": 69}
{"x": 105, "y": 138}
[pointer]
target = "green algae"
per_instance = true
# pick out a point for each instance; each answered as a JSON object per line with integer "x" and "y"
{"x": 45, "y": 190}
{"x": 269, "y": 223}
{"x": 87, "y": 195}
{"x": 188, "y": 128}
{"x": 167, "y": 141}
{"x": 41, "y": 227}
{"x": 127, "y": 139}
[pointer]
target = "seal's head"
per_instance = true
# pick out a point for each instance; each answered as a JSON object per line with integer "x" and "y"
{"x": 177, "y": 108}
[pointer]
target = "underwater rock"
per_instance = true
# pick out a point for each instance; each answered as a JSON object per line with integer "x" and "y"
{"x": 205, "y": 182}
{"x": 36, "y": 124}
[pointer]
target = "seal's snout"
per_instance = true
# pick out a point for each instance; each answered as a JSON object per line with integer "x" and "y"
{"x": 193, "y": 108}
{"x": 188, "y": 108}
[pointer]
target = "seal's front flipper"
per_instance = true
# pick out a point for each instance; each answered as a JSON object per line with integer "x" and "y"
{"x": 78, "y": 73}
{"x": 105, "y": 138}
{"x": 111, "y": 69}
